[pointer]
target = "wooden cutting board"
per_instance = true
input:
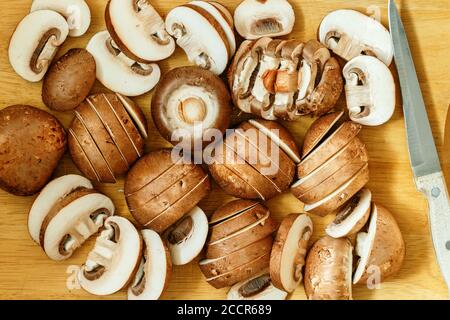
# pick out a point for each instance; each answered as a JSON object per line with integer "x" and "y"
{"x": 26, "y": 273}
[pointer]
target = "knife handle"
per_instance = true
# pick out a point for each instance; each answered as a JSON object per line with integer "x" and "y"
{"x": 435, "y": 189}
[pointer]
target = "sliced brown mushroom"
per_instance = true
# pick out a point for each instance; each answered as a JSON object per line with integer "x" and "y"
{"x": 119, "y": 73}
{"x": 35, "y": 42}
{"x": 155, "y": 269}
{"x": 353, "y": 217}
{"x": 380, "y": 248}
{"x": 76, "y": 12}
{"x": 328, "y": 271}
{"x": 186, "y": 238}
{"x": 114, "y": 260}
{"x": 268, "y": 18}
{"x": 349, "y": 33}
{"x": 188, "y": 104}
{"x": 289, "y": 251}
{"x": 258, "y": 287}
{"x": 138, "y": 30}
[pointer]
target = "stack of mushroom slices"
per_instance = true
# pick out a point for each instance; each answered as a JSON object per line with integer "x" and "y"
{"x": 107, "y": 136}
{"x": 121, "y": 256}
{"x": 334, "y": 165}
{"x": 277, "y": 79}
{"x": 161, "y": 189}
{"x": 65, "y": 214}
{"x": 205, "y": 31}
{"x": 256, "y": 161}
{"x": 240, "y": 243}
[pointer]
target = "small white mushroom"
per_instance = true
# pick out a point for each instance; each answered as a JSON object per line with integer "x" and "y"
{"x": 76, "y": 12}
{"x": 258, "y": 287}
{"x": 138, "y": 30}
{"x": 264, "y": 18}
{"x": 186, "y": 238}
{"x": 114, "y": 259}
{"x": 349, "y": 33}
{"x": 35, "y": 43}
{"x": 119, "y": 73}
{"x": 370, "y": 91}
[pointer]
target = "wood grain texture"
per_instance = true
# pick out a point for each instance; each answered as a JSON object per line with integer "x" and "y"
{"x": 25, "y": 272}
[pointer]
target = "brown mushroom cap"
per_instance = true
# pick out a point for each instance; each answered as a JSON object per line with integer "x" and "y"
{"x": 68, "y": 81}
{"x": 159, "y": 191}
{"x": 187, "y": 97}
{"x": 32, "y": 143}
{"x": 328, "y": 270}
{"x": 231, "y": 209}
{"x": 387, "y": 247}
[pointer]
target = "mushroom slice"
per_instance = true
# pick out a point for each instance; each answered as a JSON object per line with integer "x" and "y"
{"x": 187, "y": 237}
{"x": 230, "y": 210}
{"x": 258, "y": 287}
{"x": 269, "y": 18}
{"x": 114, "y": 260}
{"x": 370, "y": 91}
{"x": 381, "y": 248}
{"x": 119, "y": 73}
{"x": 349, "y": 33}
{"x": 76, "y": 12}
{"x": 35, "y": 42}
{"x": 200, "y": 36}
{"x": 328, "y": 271}
{"x": 341, "y": 196}
{"x": 138, "y": 30}
{"x": 155, "y": 269}
{"x": 54, "y": 191}
{"x": 289, "y": 251}
{"x": 72, "y": 220}
{"x": 353, "y": 217}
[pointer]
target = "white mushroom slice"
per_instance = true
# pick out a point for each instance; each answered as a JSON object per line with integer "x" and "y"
{"x": 258, "y": 287}
{"x": 114, "y": 259}
{"x": 187, "y": 237}
{"x": 119, "y": 73}
{"x": 71, "y": 226}
{"x": 35, "y": 43}
{"x": 76, "y": 12}
{"x": 364, "y": 245}
{"x": 268, "y": 65}
{"x": 203, "y": 41}
{"x": 370, "y": 91}
{"x": 138, "y": 30}
{"x": 49, "y": 196}
{"x": 353, "y": 217}
{"x": 154, "y": 270}
{"x": 349, "y": 33}
{"x": 259, "y": 18}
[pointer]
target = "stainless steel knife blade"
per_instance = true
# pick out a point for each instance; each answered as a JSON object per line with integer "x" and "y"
{"x": 422, "y": 149}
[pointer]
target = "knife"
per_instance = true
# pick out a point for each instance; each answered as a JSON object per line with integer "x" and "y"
{"x": 422, "y": 149}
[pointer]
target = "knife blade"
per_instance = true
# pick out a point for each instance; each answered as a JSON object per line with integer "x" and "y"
{"x": 422, "y": 148}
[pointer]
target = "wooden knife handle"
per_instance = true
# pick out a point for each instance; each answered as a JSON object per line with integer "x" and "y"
{"x": 435, "y": 189}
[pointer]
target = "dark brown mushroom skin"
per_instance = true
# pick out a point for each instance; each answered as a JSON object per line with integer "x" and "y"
{"x": 69, "y": 80}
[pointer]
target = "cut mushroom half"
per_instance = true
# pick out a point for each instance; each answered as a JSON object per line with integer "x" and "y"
{"x": 258, "y": 287}
{"x": 328, "y": 271}
{"x": 114, "y": 260}
{"x": 155, "y": 269}
{"x": 76, "y": 12}
{"x": 353, "y": 217}
{"x": 201, "y": 35}
{"x": 370, "y": 91}
{"x": 380, "y": 248}
{"x": 268, "y": 18}
{"x": 289, "y": 251}
{"x": 119, "y": 73}
{"x": 349, "y": 33}
{"x": 35, "y": 42}
{"x": 138, "y": 30}
{"x": 187, "y": 237}
{"x": 65, "y": 214}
